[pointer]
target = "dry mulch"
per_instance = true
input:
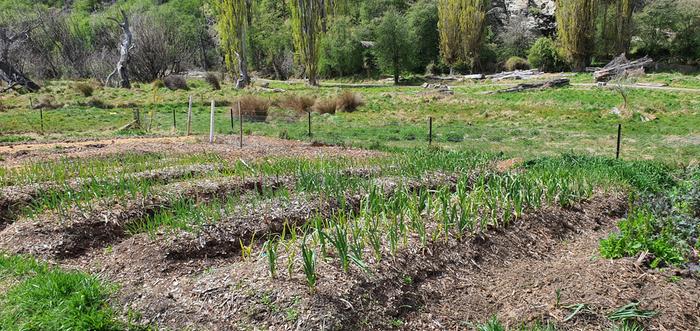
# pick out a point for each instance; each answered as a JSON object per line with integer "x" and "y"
{"x": 254, "y": 147}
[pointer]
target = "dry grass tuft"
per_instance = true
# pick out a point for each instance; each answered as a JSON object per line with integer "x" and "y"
{"x": 349, "y": 101}
{"x": 84, "y": 88}
{"x": 253, "y": 108}
{"x": 158, "y": 84}
{"x": 297, "y": 103}
{"x": 213, "y": 81}
{"x": 175, "y": 82}
{"x": 326, "y": 106}
{"x": 47, "y": 102}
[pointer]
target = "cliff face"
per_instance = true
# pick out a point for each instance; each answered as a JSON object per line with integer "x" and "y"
{"x": 537, "y": 14}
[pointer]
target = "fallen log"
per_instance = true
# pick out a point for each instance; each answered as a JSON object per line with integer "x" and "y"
{"x": 559, "y": 82}
{"x": 517, "y": 74}
{"x": 619, "y": 66}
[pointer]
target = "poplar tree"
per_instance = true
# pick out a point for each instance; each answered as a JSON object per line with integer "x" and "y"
{"x": 232, "y": 26}
{"x": 461, "y": 24}
{"x": 576, "y": 30}
{"x": 306, "y": 29}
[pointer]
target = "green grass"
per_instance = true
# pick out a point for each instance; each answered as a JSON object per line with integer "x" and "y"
{"x": 47, "y": 298}
{"x": 529, "y": 124}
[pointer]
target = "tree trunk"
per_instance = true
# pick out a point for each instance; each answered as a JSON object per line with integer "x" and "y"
{"x": 13, "y": 77}
{"x": 124, "y": 48}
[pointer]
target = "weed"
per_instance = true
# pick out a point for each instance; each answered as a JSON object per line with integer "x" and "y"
{"x": 630, "y": 312}
{"x": 349, "y": 101}
{"x": 213, "y": 81}
{"x": 253, "y": 108}
{"x": 175, "y": 82}
{"x": 84, "y": 88}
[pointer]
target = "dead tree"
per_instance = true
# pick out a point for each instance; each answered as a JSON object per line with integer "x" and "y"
{"x": 554, "y": 83}
{"x": 619, "y": 66}
{"x": 124, "y": 48}
{"x": 8, "y": 73}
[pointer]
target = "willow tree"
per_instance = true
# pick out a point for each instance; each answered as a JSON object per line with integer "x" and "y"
{"x": 623, "y": 25}
{"x": 461, "y": 25}
{"x": 232, "y": 27}
{"x": 306, "y": 29}
{"x": 576, "y": 30}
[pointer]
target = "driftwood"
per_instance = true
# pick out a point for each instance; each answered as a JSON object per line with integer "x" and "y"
{"x": 124, "y": 48}
{"x": 474, "y": 76}
{"x": 619, "y": 66}
{"x": 517, "y": 74}
{"x": 559, "y": 82}
{"x": 8, "y": 73}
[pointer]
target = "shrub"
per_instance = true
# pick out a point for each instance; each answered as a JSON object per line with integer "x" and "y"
{"x": 47, "y": 102}
{"x": 158, "y": 84}
{"x": 298, "y": 103}
{"x": 326, "y": 106}
{"x": 85, "y": 88}
{"x": 544, "y": 55}
{"x": 175, "y": 82}
{"x": 98, "y": 103}
{"x": 516, "y": 63}
{"x": 253, "y": 108}
{"x": 349, "y": 102}
{"x": 213, "y": 81}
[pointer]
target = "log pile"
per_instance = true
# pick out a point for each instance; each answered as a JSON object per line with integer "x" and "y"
{"x": 517, "y": 74}
{"x": 441, "y": 88}
{"x": 619, "y": 66}
{"x": 559, "y": 82}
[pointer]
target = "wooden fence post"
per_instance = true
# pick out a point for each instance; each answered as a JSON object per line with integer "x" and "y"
{"x": 619, "y": 139}
{"x": 430, "y": 130}
{"x": 189, "y": 117}
{"x": 309, "y": 124}
{"x": 211, "y": 123}
{"x": 240, "y": 121}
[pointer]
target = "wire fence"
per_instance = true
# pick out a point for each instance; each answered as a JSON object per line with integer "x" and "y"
{"x": 207, "y": 118}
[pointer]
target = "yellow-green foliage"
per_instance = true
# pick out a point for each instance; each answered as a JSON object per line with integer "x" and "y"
{"x": 232, "y": 27}
{"x": 306, "y": 30}
{"x": 576, "y": 30}
{"x": 461, "y": 24}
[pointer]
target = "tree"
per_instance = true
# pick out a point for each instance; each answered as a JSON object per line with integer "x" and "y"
{"x": 125, "y": 47}
{"x": 461, "y": 25}
{"x": 393, "y": 45}
{"x": 341, "y": 49}
{"x": 576, "y": 30}
{"x": 271, "y": 34}
{"x": 15, "y": 27}
{"x": 306, "y": 29}
{"x": 423, "y": 20}
{"x": 232, "y": 26}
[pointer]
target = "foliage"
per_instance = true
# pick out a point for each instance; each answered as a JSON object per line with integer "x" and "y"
{"x": 306, "y": 29}
{"x": 669, "y": 29}
{"x": 461, "y": 27}
{"x": 271, "y": 36}
{"x": 232, "y": 28}
{"x": 516, "y": 63}
{"x": 393, "y": 45}
{"x": 341, "y": 50}
{"x": 84, "y": 88}
{"x": 576, "y": 30}
{"x": 422, "y": 19}
{"x": 544, "y": 55}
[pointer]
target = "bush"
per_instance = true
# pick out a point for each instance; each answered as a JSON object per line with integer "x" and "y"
{"x": 253, "y": 108}
{"x": 349, "y": 102}
{"x": 544, "y": 55}
{"x": 175, "y": 82}
{"x": 98, "y": 103}
{"x": 158, "y": 84}
{"x": 47, "y": 102}
{"x": 213, "y": 81}
{"x": 516, "y": 63}
{"x": 85, "y": 88}
{"x": 298, "y": 103}
{"x": 327, "y": 106}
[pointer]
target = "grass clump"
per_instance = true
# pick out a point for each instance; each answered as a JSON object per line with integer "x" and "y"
{"x": 297, "y": 103}
{"x": 175, "y": 82}
{"x": 327, "y": 106}
{"x": 84, "y": 88}
{"x": 254, "y": 108}
{"x": 47, "y": 298}
{"x": 213, "y": 81}
{"x": 349, "y": 101}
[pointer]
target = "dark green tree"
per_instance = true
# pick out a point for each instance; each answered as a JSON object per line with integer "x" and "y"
{"x": 393, "y": 47}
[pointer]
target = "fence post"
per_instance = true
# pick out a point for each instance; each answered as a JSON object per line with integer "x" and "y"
{"x": 174, "y": 122}
{"x": 41, "y": 119}
{"x": 231, "y": 113}
{"x": 240, "y": 121}
{"x": 619, "y": 139}
{"x": 430, "y": 130}
{"x": 211, "y": 123}
{"x": 189, "y": 117}
{"x": 309, "y": 124}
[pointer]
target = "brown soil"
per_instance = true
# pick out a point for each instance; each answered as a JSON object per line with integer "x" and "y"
{"x": 254, "y": 147}
{"x": 513, "y": 273}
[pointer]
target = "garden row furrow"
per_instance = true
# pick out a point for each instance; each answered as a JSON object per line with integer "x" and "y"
{"x": 14, "y": 198}
{"x": 72, "y": 233}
